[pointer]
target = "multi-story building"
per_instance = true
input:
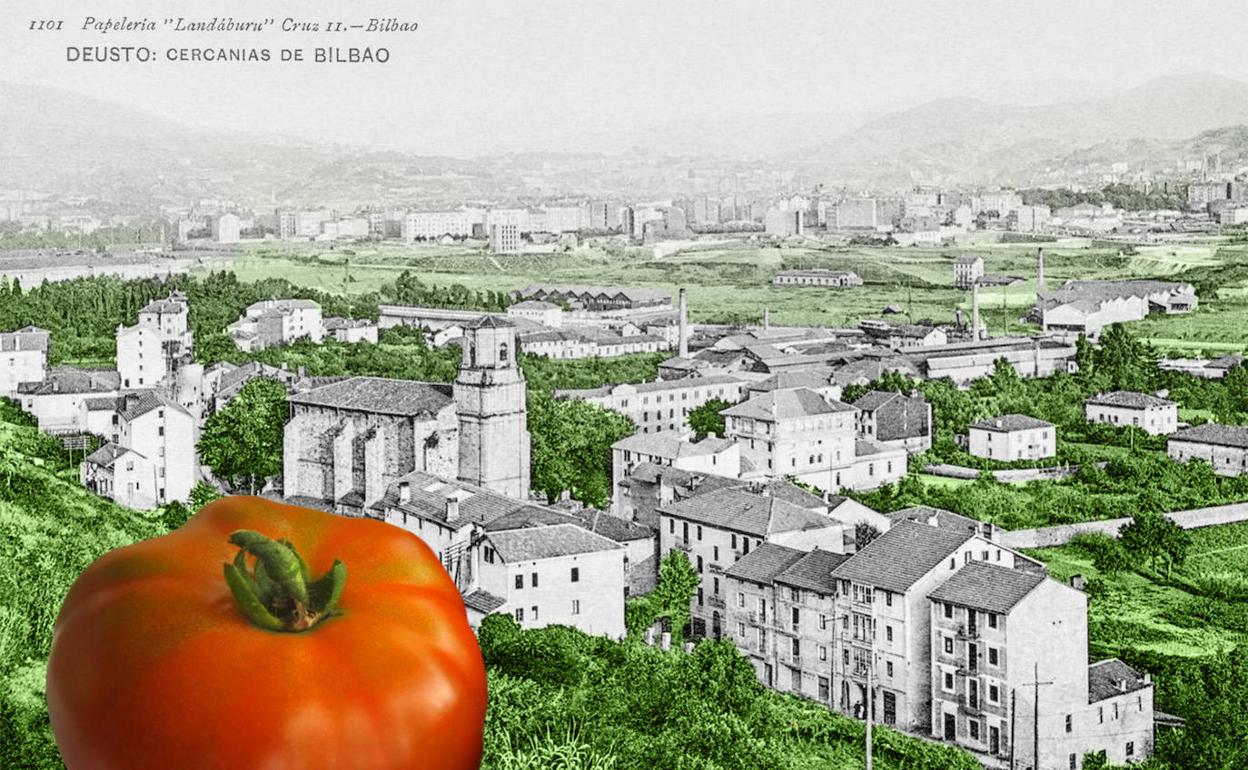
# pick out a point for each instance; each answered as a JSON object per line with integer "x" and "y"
{"x": 490, "y": 397}
{"x": 1225, "y": 447}
{"x": 1152, "y": 414}
{"x": 718, "y": 528}
{"x": 967, "y": 269}
{"x": 781, "y": 605}
{"x": 540, "y": 565}
{"x": 545, "y": 313}
{"x": 858, "y": 214}
{"x": 504, "y": 238}
{"x": 663, "y": 405}
{"x": 154, "y": 349}
{"x": 272, "y": 322}
{"x": 23, "y": 357}
{"x": 895, "y": 420}
{"x": 56, "y": 401}
{"x": 883, "y": 618}
{"x": 152, "y": 460}
{"x": 349, "y": 330}
{"x": 431, "y": 225}
{"x": 795, "y": 433}
{"x": 995, "y": 633}
{"x": 1012, "y": 437}
{"x": 225, "y": 228}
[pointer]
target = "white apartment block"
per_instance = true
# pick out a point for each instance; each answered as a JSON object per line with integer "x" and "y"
{"x": 155, "y": 439}
{"x": 23, "y": 357}
{"x": 272, "y": 322}
{"x": 557, "y": 574}
{"x": 56, "y": 401}
{"x": 1012, "y": 437}
{"x": 1151, "y": 414}
{"x": 430, "y": 225}
{"x": 795, "y": 433}
{"x": 711, "y": 456}
{"x": 664, "y": 405}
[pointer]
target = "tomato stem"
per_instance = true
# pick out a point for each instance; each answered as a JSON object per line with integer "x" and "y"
{"x": 279, "y": 594}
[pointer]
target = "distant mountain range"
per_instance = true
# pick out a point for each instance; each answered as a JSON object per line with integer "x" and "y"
{"x": 59, "y": 141}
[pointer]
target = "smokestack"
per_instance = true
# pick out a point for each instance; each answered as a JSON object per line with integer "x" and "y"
{"x": 1040, "y": 271}
{"x": 683, "y": 352}
{"x": 766, "y": 318}
{"x": 975, "y": 335}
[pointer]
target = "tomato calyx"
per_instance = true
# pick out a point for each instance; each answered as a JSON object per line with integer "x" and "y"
{"x": 279, "y": 593}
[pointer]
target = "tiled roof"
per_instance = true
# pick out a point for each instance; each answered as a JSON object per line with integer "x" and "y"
{"x": 1128, "y": 399}
{"x": 547, "y": 542}
{"x": 764, "y": 563}
{"x": 895, "y": 560}
{"x": 897, "y": 416}
{"x": 927, "y": 515}
{"x": 813, "y": 571}
{"x": 1211, "y": 433}
{"x": 988, "y": 587}
{"x": 669, "y": 446}
{"x": 381, "y": 396}
{"x": 67, "y": 379}
{"x": 653, "y": 386}
{"x": 1007, "y": 423}
{"x": 1111, "y": 677}
{"x": 429, "y": 494}
{"x": 752, "y": 514}
{"x": 786, "y": 404}
{"x": 611, "y": 527}
{"x": 483, "y": 601}
{"x": 813, "y": 378}
{"x": 874, "y": 399}
{"x": 107, "y": 454}
{"x": 134, "y": 404}
{"x": 163, "y": 306}
{"x": 966, "y": 259}
{"x": 25, "y": 338}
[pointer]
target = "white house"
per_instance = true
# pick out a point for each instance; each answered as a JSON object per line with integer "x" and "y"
{"x": 23, "y": 357}
{"x": 1151, "y": 414}
{"x": 1012, "y": 437}
{"x": 1225, "y": 447}
{"x": 155, "y": 439}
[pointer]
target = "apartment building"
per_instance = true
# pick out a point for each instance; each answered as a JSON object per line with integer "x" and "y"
{"x": 795, "y": 433}
{"x": 883, "y": 632}
{"x": 150, "y": 352}
{"x": 23, "y": 357}
{"x": 718, "y": 528}
{"x": 272, "y": 322}
{"x": 967, "y": 269}
{"x": 152, "y": 460}
{"x": 781, "y": 604}
{"x": 710, "y": 456}
{"x": 664, "y": 405}
{"x": 1011, "y": 437}
{"x": 1152, "y": 414}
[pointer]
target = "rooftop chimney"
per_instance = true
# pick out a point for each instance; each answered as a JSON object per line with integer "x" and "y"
{"x": 452, "y": 509}
{"x": 683, "y": 351}
{"x": 405, "y": 491}
{"x": 933, "y": 520}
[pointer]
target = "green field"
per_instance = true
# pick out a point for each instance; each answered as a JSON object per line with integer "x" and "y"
{"x": 731, "y": 281}
{"x": 1198, "y": 611}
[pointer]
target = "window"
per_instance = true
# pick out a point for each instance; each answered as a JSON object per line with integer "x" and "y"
{"x": 715, "y": 553}
{"x": 519, "y": 614}
{"x": 823, "y": 652}
{"x": 734, "y": 540}
{"x": 797, "y": 648}
{"x": 948, "y": 610}
{"x": 948, "y": 683}
{"x": 796, "y": 616}
{"x": 533, "y": 580}
{"x": 534, "y": 612}
{"x": 519, "y": 581}
{"x": 576, "y": 606}
{"x": 671, "y": 526}
{"x": 948, "y": 645}
{"x": 823, "y": 624}
{"x": 992, "y": 620}
{"x": 740, "y": 599}
{"x": 993, "y": 656}
{"x": 845, "y": 653}
{"x": 699, "y": 531}
{"x": 576, "y": 574}
{"x": 1130, "y": 748}
{"x": 888, "y": 668}
{"x": 741, "y": 630}
{"x": 1069, "y": 723}
{"x": 888, "y": 633}
{"x": 1115, "y": 710}
{"x": 1100, "y": 714}
{"x": 888, "y": 598}
{"x": 973, "y": 725}
{"x": 994, "y": 693}
{"x": 715, "y": 590}
{"x": 1074, "y": 761}
{"x": 699, "y": 563}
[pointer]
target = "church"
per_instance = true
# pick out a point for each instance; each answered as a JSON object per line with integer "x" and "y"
{"x": 347, "y": 441}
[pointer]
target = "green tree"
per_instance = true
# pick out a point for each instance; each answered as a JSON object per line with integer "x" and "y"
{"x": 864, "y": 533}
{"x": 242, "y": 443}
{"x": 706, "y": 419}
{"x": 571, "y": 447}
{"x": 678, "y": 582}
{"x": 202, "y": 494}
{"x": 1152, "y": 536}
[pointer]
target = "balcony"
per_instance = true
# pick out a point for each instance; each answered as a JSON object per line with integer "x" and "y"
{"x": 966, "y": 632}
{"x": 716, "y": 601}
{"x": 795, "y": 661}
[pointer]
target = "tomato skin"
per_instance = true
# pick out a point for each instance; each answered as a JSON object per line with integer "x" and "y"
{"x": 154, "y": 666}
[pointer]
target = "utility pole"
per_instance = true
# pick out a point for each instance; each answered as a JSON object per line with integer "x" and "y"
{"x": 870, "y": 707}
{"x": 1035, "y": 683}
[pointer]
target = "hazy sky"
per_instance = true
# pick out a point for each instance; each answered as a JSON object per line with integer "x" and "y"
{"x": 483, "y": 75}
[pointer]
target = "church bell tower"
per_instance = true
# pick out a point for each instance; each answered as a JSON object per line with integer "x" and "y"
{"x": 490, "y": 402}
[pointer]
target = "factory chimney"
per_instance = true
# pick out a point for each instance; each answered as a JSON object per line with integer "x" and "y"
{"x": 766, "y": 318}
{"x": 975, "y": 333}
{"x": 1040, "y": 272}
{"x": 683, "y": 351}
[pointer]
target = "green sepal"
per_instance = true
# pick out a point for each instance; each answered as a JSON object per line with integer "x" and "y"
{"x": 248, "y": 602}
